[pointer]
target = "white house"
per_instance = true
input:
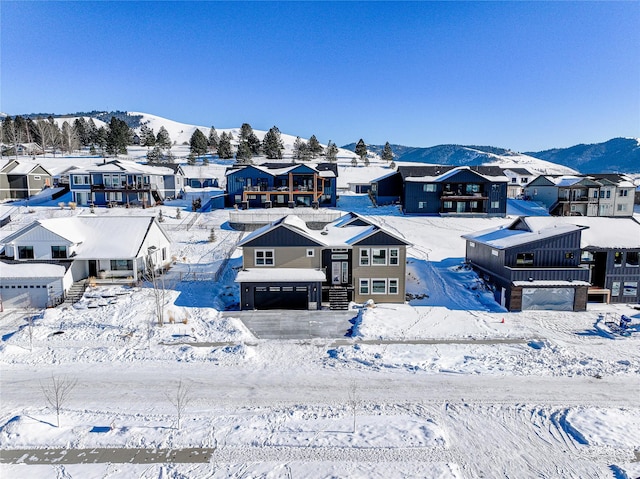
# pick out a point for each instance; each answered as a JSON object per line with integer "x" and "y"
{"x": 93, "y": 246}
{"x": 518, "y": 179}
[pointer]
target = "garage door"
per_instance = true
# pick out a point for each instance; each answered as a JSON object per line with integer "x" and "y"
{"x": 548, "y": 299}
{"x": 18, "y": 298}
{"x": 281, "y": 298}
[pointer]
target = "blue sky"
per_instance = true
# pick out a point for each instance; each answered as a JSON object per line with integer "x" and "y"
{"x": 521, "y": 75}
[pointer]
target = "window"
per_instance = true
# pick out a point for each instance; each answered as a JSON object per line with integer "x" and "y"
{"x": 601, "y": 194}
{"x": 524, "y": 180}
{"x": 514, "y": 180}
{"x": 378, "y": 286}
{"x": 623, "y": 193}
{"x": 632, "y": 258}
{"x": 447, "y": 205}
{"x": 472, "y": 244}
{"x": 164, "y": 254}
{"x": 495, "y": 205}
{"x": 121, "y": 265}
{"x": 25, "y": 252}
{"x": 617, "y": 259}
{"x": 430, "y": 188}
{"x": 364, "y": 257}
{"x": 595, "y": 193}
{"x": 58, "y": 252}
{"x": 622, "y": 207}
{"x": 364, "y": 286}
{"x": 494, "y": 252}
{"x": 473, "y": 204}
{"x": 472, "y": 188}
{"x": 524, "y": 259}
{"x": 586, "y": 256}
{"x": 379, "y": 256}
{"x": 394, "y": 256}
{"x": 80, "y": 179}
{"x": 310, "y": 253}
{"x": 393, "y": 286}
{"x": 568, "y": 255}
{"x": 422, "y": 205}
{"x": 615, "y": 288}
{"x": 630, "y": 288}
{"x": 37, "y": 178}
{"x": 608, "y": 193}
{"x": 264, "y": 257}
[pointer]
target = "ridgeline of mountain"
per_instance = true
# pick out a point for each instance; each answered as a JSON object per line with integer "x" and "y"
{"x": 619, "y": 155}
{"x": 457, "y": 155}
{"x": 132, "y": 120}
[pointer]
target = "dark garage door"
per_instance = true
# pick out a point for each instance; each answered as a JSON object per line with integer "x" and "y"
{"x": 271, "y": 299}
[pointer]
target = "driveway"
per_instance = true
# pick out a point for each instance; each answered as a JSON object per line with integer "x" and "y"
{"x": 288, "y": 324}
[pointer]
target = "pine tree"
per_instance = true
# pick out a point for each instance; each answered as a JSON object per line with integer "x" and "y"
{"x": 147, "y": 137}
{"x": 119, "y": 135}
{"x": 297, "y": 145}
{"x": 254, "y": 144}
{"x": 154, "y": 155}
{"x": 8, "y": 133}
{"x": 245, "y": 132}
{"x": 354, "y": 161}
{"x": 387, "y": 153}
{"x": 315, "y": 148}
{"x": 162, "y": 139}
{"x": 272, "y": 145}
{"x": 213, "y": 139}
{"x": 198, "y": 144}
{"x": 191, "y": 159}
{"x": 331, "y": 152}
{"x": 224, "y": 147}
{"x": 361, "y": 149}
{"x": 243, "y": 153}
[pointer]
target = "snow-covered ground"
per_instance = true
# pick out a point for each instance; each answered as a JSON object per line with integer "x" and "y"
{"x": 448, "y": 385}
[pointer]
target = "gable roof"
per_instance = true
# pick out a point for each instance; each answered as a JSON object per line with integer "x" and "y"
{"x": 519, "y": 171}
{"x": 119, "y": 166}
{"x": 126, "y": 234}
{"x": 325, "y": 170}
{"x": 346, "y": 231}
{"x": 16, "y": 167}
{"x": 438, "y": 173}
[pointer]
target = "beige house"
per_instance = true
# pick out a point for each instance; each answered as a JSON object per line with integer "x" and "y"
{"x": 22, "y": 179}
{"x": 287, "y": 265}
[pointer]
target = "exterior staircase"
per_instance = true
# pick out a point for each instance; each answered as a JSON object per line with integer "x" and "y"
{"x": 338, "y": 298}
{"x": 76, "y": 292}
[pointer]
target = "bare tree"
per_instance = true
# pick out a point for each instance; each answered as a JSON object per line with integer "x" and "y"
{"x": 353, "y": 402}
{"x": 57, "y": 393}
{"x": 180, "y": 399}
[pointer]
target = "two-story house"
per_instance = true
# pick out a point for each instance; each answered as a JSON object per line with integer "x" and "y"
{"x": 122, "y": 182}
{"x": 287, "y": 265}
{"x": 449, "y": 191}
{"x": 583, "y": 195}
{"x": 282, "y": 185}
{"x": 533, "y": 264}
{"x": 22, "y": 179}
{"x": 518, "y": 179}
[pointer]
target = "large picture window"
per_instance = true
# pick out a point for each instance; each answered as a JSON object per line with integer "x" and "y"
{"x": 264, "y": 257}
{"x": 378, "y": 286}
{"x": 121, "y": 265}
{"x": 25, "y": 252}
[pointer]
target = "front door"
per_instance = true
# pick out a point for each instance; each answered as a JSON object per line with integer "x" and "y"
{"x": 339, "y": 272}
{"x": 93, "y": 268}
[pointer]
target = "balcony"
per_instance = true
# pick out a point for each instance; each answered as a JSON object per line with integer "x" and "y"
{"x": 128, "y": 187}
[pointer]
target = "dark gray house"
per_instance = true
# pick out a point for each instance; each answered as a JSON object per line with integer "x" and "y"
{"x": 446, "y": 190}
{"x": 533, "y": 265}
{"x": 386, "y": 189}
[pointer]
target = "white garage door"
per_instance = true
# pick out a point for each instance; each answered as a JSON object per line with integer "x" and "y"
{"x": 18, "y": 298}
{"x": 553, "y": 299}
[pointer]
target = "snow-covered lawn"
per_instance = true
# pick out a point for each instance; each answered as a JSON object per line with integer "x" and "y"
{"x": 448, "y": 385}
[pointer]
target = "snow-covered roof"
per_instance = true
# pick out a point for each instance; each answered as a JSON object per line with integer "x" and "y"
{"x": 270, "y": 275}
{"x": 337, "y": 234}
{"x": 549, "y": 283}
{"x": 22, "y": 167}
{"x": 119, "y": 166}
{"x": 601, "y": 231}
{"x": 450, "y": 173}
{"x": 198, "y": 172}
{"x": 508, "y": 236}
{"x": 31, "y": 270}
{"x": 98, "y": 237}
